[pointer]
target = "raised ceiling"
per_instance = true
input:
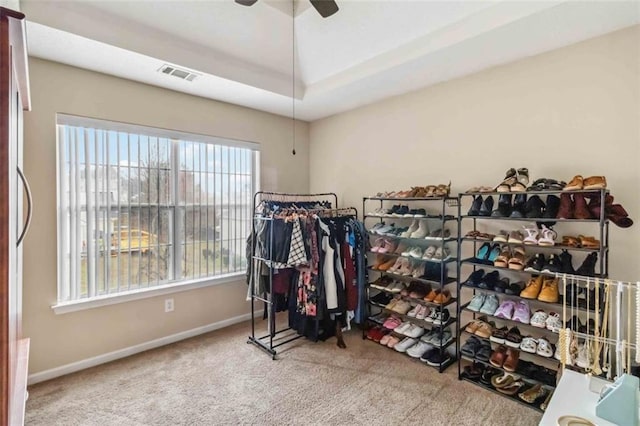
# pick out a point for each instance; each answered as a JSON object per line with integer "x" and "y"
{"x": 368, "y": 51}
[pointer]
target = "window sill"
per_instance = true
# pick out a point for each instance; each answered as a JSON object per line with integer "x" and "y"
{"x": 112, "y": 299}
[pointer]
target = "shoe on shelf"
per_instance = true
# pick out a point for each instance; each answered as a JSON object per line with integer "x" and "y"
{"x": 498, "y": 356}
{"x": 516, "y": 262}
{"x": 429, "y": 253}
{"x": 566, "y": 263}
{"x": 533, "y": 394}
{"x": 488, "y": 281}
{"x": 402, "y": 307}
{"x": 546, "y": 402}
{"x": 545, "y": 349}
{"x": 422, "y": 312}
{"x": 534, "y": 208}
{"x": 417, "y": 350}
{"x": 519, "y": 206}
{"x": 442, "y": 254}
{"x": 486, "y": 207}
{"x": 501, "y": 237}
{"x": 499, "y": 335}
{"x": 393, "y": 340}
{"x": 474, "y": 278}
{"x": 514, "y": 338}
{"x": 412, "y": 313}
{"x": 553, "y": 322}
{"x": 476, "y": 302}
{"x": 415, "y": 252}
{"x": 505, "y": 310}
{"x": 549, "y": 292}
{"x": 575, "y": 184}
{"x": 392, "y": 323}
{"x": 470, "y": 347}
{"x": 405, "y": 344}
{"x": 441, "y": 339}
{"x": 567, "y": 207}
{"x": 438, "y": 234}
{"x": 595, "y": 182}
{"x": 547, "y": 237}
{"x": 515, "y": 237}
{"x": 420, "y": 213}
{"x": 529, "y": 345}
{"x": 490, "y": 304}
{"x": 501, "y": 285}
{"x": 522, "y": 180}
{"x": 535, "y": 263}
{"x": 443, "y": 297}
{"x": 485, "y": 330}
{"x": 511, "y": 363}
{"x": 522, "y": 312}
{"x": 386, "y": 265}
{"x": 539, "y": 319}
{"x": 514, "y": 289}
{"x": 414, "y": 331}
{"x": 588, "y": 267}
{"x": 437, "y": 358}
{"x": 581, "y": 210}
{"x": 484, "y": 351}
{"x": 474, "y": 210}
{"x": 412, "y": 228}
{"x": 422, "y": 230}
{"x": 396, "y": 265}
{"x": 502, "y": 261}
{"x": 532, "y": 235}
{"x": 441, "y": 316}
{"x": 553, "y": 265}
{"x": 402, "y": 327}
{"x": 509, "y": 179}
{"x": 504, "y": 206}
{"x": 431, "y": 296}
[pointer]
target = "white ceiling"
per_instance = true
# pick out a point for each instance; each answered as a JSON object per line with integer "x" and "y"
{"x": 368, "y": 51}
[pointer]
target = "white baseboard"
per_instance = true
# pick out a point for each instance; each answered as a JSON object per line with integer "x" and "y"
{"x": 131, "y": 350}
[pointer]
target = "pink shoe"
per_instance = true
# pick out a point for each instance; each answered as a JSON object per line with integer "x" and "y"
{"x": 391, "y": 323}
{"x": 387, "y": 247}
{"x": 378, "y": 245}
{"x": 522, "y": 313}
{"x": 505, "y": 310}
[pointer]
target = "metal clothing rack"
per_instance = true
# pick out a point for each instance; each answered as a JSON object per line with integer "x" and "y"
{"x": 275, "y": 338}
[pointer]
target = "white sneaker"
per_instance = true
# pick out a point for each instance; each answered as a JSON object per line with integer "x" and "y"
{"x": 442, "y": 254}
{"x": 422, "y": 312}
{"x": 405, "y": 344}
{"x": 402, "y": 327}
{"x": 539, "y": 319}
{"x": 414, "y": 311}
{"x": 422, "y": 231}
{"x": 529, "y": 344}
{"x": 553, "y": 322}
{"x": 544, "y": 348}
{"x": 429, "y": 253}
{"x": 418, "y": 349}
{"x": 413, "y": 228}
{"x": 414, "y": 331}
{"x": 416, "y": 252}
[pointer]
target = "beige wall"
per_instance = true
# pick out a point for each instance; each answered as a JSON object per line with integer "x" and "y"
{"x": 57, "y": 340}
{"x": 569, "y": 111}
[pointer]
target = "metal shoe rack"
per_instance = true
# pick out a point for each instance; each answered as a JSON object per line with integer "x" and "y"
{"x": 470, "y": 264}
{"x": 443, "y": 212}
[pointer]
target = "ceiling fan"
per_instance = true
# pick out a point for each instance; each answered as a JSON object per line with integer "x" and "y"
{"x": 325, "y": 8}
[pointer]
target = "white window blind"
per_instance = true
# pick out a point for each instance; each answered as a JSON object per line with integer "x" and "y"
{"x": 140, "y": 207}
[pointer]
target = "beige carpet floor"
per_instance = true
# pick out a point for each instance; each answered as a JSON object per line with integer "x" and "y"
{"x": 217, "y": 379}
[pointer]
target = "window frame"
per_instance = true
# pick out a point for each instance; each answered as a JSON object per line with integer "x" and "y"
{"x": 177, "y": 285}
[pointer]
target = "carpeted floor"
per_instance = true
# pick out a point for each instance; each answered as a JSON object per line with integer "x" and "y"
{"x": 218, "y": 379}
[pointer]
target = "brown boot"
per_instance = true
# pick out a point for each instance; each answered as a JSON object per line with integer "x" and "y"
{"x": 618, "y": 215}
{"x": 581, "y": 210}
{"x": 594, "y": 205}
{"x": 566, "y": 207}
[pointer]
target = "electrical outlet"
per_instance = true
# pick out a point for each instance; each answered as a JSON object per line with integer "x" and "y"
{"x": 168, "y": 305}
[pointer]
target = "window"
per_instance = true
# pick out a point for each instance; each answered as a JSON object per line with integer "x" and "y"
{"x": 141, "y": 207}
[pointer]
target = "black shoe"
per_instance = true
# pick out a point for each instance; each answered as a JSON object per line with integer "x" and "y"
{"x": 534, "y": 207}
{"x": 552, "y": 265}
{"x": 535, "y": 263}
{"x": 488, "y": 282}
{"x": 402, "y": 210}
{"x": 420, "y": 212}
{"x": 394, "y": 209}
{"x": 487, "y": 374}
{"x": 485, "y": 209}
{"x": 504, "y": 206}
{"x": 501, "y": 285}
{"x": 519, "y": 204}
{"x": 473, "y": 372}
{"x": 475, "y": 206}
{"x": 475, "y": 278}
{"x": 439, "y": 358}
{"x": 566, "y": 267}
{"x": 588, "y": 267}
{"x": 553, "y": 206}
{"x": 515, "y": 288}
{"x": 441, "y": 317}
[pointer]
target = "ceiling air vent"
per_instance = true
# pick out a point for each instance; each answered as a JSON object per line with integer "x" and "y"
{"x": 177, "y": 72}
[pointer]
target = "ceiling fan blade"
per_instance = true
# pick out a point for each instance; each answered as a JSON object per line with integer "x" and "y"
{"x": 246, "y": 2}
{"x": 325, "y": 8}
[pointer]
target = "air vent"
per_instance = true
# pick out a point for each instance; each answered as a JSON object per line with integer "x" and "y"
{"x": 177, "y": 72}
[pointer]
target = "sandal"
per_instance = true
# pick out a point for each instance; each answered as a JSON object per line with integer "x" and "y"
{"x": 522, "y": 180}
{"x": 570, "y": 241}
{"x": 502, "y": 261}
{"x": 588, "y": 242}
{"x": 517, "y": 261}
{"x": 548, "y": 237}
